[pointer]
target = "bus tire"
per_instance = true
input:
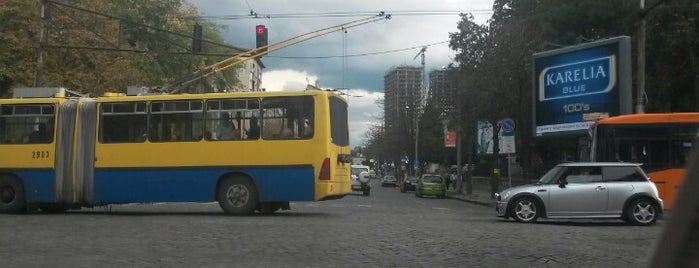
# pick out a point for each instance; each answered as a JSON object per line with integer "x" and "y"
{"x": 237, "y": 196}
{"x": 12, "y": 199}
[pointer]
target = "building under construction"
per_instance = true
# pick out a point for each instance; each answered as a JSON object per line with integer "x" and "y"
{"x": 402, "y": 95}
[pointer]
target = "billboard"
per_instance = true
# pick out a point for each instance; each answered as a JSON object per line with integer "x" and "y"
{"x": 484, "y": 139}
{"x": 574, "y": 86}
{"x": 449, "y": 138}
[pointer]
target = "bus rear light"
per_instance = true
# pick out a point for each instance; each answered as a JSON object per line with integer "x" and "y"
{"x": 325, "y": 170}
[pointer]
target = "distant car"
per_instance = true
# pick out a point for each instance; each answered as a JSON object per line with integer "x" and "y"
{"x": 431, "y": 184}
{"x": 372, "y": 174}
{"x": 585, "y": 190}
{"x": 389, "y": 180}
{"x": 360, "y": 179}
{"x": 408, "y": 184}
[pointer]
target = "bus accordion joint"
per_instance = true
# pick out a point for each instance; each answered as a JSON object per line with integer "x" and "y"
{"x": 324, "y": 174}
{"x": 344, "y": 158}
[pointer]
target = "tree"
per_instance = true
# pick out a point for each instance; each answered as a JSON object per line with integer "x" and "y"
{"x": 107, "y": 45}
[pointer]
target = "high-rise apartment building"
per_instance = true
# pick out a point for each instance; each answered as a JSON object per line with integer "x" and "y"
{"x": 402, "y": 95}
{"x": 442, "y": 91}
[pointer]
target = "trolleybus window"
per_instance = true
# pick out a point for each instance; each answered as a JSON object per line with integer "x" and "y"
{"x": 228, "y": 119}
{"x": 287, "y": 118}
{"x": 338, "y": 122}
{"x": 27, "y": 123}
{"x": 176, "y": 121}
{"x": 123, "y": 122}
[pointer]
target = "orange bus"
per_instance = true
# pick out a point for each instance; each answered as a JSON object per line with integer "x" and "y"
{"x": 661, "y": 141}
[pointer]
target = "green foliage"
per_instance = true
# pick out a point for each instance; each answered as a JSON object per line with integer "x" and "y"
{"x": 494, "y": 60}
{"x": 90, "y": 52}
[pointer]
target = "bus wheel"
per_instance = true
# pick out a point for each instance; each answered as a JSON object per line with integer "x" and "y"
{"x": 237, "y": 196}
{"x": 11, "y": 195}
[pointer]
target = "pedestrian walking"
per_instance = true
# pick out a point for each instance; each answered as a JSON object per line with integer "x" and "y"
{"x": 447, "y": 181}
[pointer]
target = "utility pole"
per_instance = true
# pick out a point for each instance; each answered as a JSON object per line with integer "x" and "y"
{"x": 459, "y": 173}
{"x": 641, "y": 75}
{"x": 38, "y": 78}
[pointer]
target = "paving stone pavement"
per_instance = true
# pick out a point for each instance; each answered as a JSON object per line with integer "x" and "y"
{"x": 386, "y": 229}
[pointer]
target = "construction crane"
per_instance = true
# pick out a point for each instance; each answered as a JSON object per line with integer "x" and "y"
{"x": 423, "y": 90}
{"x": 263, "y": 50}
{"x": 419, "y": 101}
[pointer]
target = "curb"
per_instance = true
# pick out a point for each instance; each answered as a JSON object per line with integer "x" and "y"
{"x": 477, "y": 202}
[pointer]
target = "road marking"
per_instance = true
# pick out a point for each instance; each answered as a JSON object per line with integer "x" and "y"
{"x": 338, "y": 205}
{"x": 312, "y": 205}
{"x": 365, "y": 206}
{"x": 440, "y": 208}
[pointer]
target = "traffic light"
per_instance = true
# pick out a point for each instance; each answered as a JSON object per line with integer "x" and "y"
{"x": 196, "y": 38}
{"x": 261, "y": 37}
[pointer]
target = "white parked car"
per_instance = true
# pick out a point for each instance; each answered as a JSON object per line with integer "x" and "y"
{"x": 360, "y": 179}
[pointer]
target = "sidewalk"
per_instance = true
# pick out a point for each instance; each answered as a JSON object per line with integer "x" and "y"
{"x": 480, "y": 196}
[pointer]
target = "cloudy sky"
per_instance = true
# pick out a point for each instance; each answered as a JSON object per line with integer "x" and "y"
{"x": 413, "y": 24}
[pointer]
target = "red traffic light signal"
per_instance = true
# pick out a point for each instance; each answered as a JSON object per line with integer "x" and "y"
{"x": 261, "y": 37}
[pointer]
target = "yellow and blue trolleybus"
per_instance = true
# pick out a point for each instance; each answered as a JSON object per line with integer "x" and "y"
{"x": 249, "y": 151}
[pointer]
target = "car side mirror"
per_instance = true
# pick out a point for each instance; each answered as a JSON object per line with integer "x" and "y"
{"x": 562, "y": 183}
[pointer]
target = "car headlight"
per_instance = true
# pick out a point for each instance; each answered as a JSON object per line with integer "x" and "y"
{"x": 504, "y": 195}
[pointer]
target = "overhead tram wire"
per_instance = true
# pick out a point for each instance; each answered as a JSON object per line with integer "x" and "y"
{"x": 359, "y": 55}
{"x": 260, "y": 51}
{"x": 338, "y": 14}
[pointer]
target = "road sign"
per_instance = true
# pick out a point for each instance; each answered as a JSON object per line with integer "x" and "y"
{"x": 508, "y": 125}
{"x": 449, "y": 138}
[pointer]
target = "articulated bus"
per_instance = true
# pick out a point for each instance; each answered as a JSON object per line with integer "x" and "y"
{"x": 661, "y": 142}
{"x": 249, "y": 151}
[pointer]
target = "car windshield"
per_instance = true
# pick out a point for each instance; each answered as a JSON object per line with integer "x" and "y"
{"x": 356, "y": 171}
{"x": 432, "y": 179}
{"x": 390, "y": 178}
{"x": 550, "y": 176}
{"x": 412, "y": 179}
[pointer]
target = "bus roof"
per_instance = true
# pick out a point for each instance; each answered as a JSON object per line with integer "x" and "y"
{"x": 251, "y": 94}
{"x": 654, "y": 118}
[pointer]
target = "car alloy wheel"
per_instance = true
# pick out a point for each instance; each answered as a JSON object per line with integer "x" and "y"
{"x": 525, "y": 210}
{"x": 643, "y": 212}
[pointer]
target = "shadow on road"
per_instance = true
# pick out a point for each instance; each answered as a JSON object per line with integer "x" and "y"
{"x": 191, "y": 213}
{"x": 576, "y": 223}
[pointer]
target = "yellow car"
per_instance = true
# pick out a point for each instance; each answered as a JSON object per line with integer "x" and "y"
{"x": 431, "y": 184}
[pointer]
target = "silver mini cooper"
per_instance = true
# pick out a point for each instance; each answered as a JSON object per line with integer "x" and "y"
{"x": 585, "y": 190}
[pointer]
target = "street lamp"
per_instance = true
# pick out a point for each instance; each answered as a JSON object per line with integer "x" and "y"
{"x": 415, "y": 128}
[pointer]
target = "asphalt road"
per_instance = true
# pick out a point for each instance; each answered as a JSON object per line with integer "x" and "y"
{"x": 386, "y": 229}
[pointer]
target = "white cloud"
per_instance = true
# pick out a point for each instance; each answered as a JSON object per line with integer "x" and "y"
{"x": 287, "y": 79}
